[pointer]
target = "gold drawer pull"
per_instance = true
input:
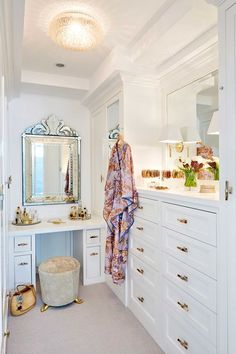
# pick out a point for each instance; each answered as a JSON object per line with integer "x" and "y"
{"x": 22, "y": 244}
{"x": 23, "y": 263}
{"x": 140, "y": 207}
{"x": 141, "y": 271}
{"x": 183, "y": 221}
{"x": 93, "y": 236}
{"x": 140, "y": 249}
{"x": 182, "y": 277}
{"x": 141, "y": 299}
{"x": 140, "y": 228}
{"x": 183, "y": 249}
{"x": 183, "y": 343}
{"x": 94, "y": 254}
{"x": 183, "y": 306}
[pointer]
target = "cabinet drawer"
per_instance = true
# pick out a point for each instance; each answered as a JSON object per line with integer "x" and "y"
{"x": 143, "y": 273}
{"x": 93, "y": 236}
{"x": 192, "y": 222}
{"x": 22, "y": 270}
{"x": 145, "y": 252}
{"x": 22, "y": 244}
{"x": 180, "y": 338}
{"x": 196, "y": 284}
{"x": 148, "y": 209}
{"x": 144, "y": 299}
{"x": 93, "y": 262}
{"x": 190, "y": 311}
{"x": 198, "y": 255}
{"x": 146, "y": 230}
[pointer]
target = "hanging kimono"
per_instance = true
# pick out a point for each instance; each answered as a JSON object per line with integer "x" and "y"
{"x": 120, "y": 202}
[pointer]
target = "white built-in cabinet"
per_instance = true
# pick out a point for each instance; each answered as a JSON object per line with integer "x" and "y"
{"x": 173, "y": 282}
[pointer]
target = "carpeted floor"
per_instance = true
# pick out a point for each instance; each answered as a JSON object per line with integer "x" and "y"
{"x": 101, "y": 325}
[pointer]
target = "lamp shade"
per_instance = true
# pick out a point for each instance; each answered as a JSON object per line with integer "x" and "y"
{"x": 170, "y": 134}
{"x": 214, "y": 125}
{"x": 190, "y": 135}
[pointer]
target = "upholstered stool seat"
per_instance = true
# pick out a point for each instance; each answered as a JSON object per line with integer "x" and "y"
{"x": 59, "y": 280}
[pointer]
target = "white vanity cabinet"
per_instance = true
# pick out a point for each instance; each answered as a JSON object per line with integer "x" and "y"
{"x": 173, "y": 275}
{"x": 87, "y": 245}
{"x": 21, "y": 260}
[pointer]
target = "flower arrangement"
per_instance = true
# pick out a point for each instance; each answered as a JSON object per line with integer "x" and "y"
{"x": 214, "y": 167}
{"x": 190, "y": 171}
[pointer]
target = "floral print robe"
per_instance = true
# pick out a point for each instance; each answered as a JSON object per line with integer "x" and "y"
{"x": 120, "y": 202}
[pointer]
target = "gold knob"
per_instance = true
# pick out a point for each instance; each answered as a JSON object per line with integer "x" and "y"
{"x": 183, "y": 249}
{"x": 140, "y": 228}
{"x": 140, "y": 207}
{"x": 141, "y": 271}
{"x": 7, "y": 333}
{"x": 94, "y": 254}
{"x": 141, "y": 299}
{"x": 183, "y": 343}
{"x": 183, "y": 221}
{"x": 183, "y": 277}
{"x": 183, "y": 306}
{"x": 140, "y": 249}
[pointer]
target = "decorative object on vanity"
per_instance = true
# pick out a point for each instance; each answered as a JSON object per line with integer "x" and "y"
{"x": 51, "y": 163}
{"x": 150, "y": 173}
{"x": 205, "y": 151}
{"x": 56, "y": 221}
{"x": 190, "y": 171}
{"x": 171, "y": 135}
{"x": 79, "y": 213}
{"x": 121, "y": 199}
{"x": 214, "y": 168}
{"x": 207, "y": 188}
{"x": 59, "y": 281}
{"x": 22, "y": 300}
{"x": 24, "y": 218}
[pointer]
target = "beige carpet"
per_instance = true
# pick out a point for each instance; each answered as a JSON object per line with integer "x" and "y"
{"x": 102, "y": 325}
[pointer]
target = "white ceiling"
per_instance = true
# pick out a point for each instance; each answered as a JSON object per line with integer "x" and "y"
{"x": 149, "y": 36}
{"x": 123, "y": 19}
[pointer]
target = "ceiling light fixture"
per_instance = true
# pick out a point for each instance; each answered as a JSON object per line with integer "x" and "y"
{"x": 76, "y": 31}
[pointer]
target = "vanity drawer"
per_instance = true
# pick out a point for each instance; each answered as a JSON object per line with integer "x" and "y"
{"x": 143, "y": 273}
{"x": 196, "y": 284}
{"x": 190, "y": 311}
{"x": 198, "y": 255}
{"x": 23, "y": 270}
{"x": 22, "y": 244}
{"x": 93, "y": 262}
{"x": 180, "y": 338}
{"x": 192, "y": 222}
{"x": 145, "y": 252}
{"x": 93, "y": 236}
{"x": 146, "y": 230}
{"x": 148, "y": 209}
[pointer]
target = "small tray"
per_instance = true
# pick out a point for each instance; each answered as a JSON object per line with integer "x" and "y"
{"x": 56, "y": 221}
{"x": 30, "y": 224}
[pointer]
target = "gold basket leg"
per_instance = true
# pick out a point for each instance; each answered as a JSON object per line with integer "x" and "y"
{"x": 79, "y": 301}
{"x": 44, "y": 307}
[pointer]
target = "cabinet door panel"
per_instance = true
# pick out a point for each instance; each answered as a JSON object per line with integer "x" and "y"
{"x": 93, "y": 262}
{"x": 22, "y": 265}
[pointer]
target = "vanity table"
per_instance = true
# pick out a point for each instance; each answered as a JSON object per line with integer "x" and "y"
{"x": 87, "y": 246}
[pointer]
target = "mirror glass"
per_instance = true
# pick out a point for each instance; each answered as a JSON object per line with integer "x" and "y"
{"x": 51, "y": 169}
{"x": 192, "y": 106}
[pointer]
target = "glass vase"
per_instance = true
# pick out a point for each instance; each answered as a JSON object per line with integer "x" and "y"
{"x": 190, "y": 180}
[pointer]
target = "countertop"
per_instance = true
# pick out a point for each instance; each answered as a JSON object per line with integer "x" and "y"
{"x": 48, "y": 227}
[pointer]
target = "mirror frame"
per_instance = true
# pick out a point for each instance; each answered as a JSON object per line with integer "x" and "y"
{"x": 53, "y": 127}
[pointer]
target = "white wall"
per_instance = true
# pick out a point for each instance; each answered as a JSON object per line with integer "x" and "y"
{"x": 29, "y": 109}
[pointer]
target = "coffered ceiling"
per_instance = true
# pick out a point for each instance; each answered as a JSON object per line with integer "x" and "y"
{"x": 151, "y": 35}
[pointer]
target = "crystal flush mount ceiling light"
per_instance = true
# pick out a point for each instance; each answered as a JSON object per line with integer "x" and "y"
{"x": 76, "y": 31}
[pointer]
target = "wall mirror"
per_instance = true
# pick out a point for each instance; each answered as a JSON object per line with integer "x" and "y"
{"x": 51, "y": 163}
{"x": 191, "y": 109}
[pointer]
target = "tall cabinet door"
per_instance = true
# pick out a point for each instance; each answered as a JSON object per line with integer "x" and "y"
{"x": 227, "y": 239}
{"x": 99, "y": 159}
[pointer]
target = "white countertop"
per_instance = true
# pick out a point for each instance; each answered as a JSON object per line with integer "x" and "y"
{"x": 181, "y": 195}
{"x": 47, "y": 227}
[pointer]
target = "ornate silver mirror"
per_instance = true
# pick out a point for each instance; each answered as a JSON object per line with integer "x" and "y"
{"x": 51, "y": 163}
